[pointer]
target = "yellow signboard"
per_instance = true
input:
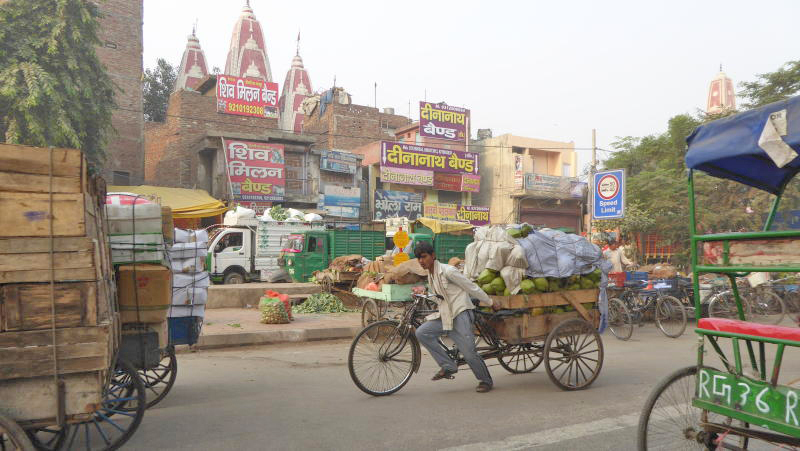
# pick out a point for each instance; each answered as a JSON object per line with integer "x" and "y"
{"x": 400, "y": 258}
{"x": 401, "y": 239}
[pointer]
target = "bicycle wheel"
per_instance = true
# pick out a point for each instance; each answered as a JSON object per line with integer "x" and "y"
{"x": 670, "y": 316}
{"x": 12, "y": 437}
{"x": 724, "y": 306}
{"x": 669, "y": 421}
{"x": 766, "y": 307}
{"x": 382, "y": 358}
{"x": 369, "y": 312}
{"x": 577, "y": 349}
{"x": 619, "y": 319}
{"x": 521, "y": 358}
{"x": 110, "y": 426}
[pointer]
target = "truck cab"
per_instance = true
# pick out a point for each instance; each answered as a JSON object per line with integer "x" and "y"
{"x": 306, "y": 253}
{"x": 230, "y": 255}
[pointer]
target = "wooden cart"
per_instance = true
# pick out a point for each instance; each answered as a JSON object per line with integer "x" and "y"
{"x": 60, "y": 381}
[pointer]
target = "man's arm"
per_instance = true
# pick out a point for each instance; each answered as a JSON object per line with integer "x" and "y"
{"x": 473, "y": 290}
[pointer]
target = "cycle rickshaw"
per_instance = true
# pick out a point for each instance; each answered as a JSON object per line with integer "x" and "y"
{"x": 703, "y": 407}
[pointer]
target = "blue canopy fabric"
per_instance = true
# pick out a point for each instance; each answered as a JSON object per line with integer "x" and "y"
{"x": 728, "y": 148}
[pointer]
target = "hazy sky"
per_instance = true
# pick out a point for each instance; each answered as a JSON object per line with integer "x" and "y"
{"x": 544, "y": 69}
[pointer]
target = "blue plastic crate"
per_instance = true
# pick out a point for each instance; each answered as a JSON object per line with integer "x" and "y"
{"x": 185, "y": 331}
{"x": 635, "y": 275}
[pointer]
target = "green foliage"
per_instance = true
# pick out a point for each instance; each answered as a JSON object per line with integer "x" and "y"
{"x": 157, "y": 86}
{"x": 772, "y": 86}
{"x": 321, "y": 303}
{"x": 53, "y": 89}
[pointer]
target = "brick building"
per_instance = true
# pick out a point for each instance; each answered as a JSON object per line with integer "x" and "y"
{"x": 186, "y": 150}
{"x": 339, "y": 124}
{"x": 121, "y": 52}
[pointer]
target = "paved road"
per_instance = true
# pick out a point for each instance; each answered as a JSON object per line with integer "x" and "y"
{"x": 288, "y": 397}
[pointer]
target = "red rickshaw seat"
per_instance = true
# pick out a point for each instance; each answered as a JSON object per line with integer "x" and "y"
{"x": 746, "y": 328}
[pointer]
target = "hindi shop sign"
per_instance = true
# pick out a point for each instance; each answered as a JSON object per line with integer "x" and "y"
{"x": 609, "y": 195}
{"x": 256, "y": 170}
{"x": 471, "y": 183}
{"x": 447, "y": 182}
{"x": 342, "y": 201}
{"x": 338, "y": 161}
{"x": 442, "y": 121}
{"x": 406, "y": 176}
{"x": 247, "y": 96}
{"x": 397, "y": 204}
{"x": 410, "y": 156}
{"x": 477, "y": 216}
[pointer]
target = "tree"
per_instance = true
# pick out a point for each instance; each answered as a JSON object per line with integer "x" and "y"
{"x": 772, "y": 86}
{"x": 159, "y": 83}
{"x": 53, "y": 89}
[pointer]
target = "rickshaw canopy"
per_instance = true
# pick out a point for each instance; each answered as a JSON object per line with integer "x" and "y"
{"x": 758, "y": 148}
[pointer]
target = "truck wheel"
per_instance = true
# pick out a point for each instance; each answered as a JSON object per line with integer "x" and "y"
{"x": 233, "y": 278}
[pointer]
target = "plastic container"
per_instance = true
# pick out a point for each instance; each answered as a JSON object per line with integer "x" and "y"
{"x": 185, "y": 331}
{"x": 636, "y": 275}
{"x": 617, "y": 278}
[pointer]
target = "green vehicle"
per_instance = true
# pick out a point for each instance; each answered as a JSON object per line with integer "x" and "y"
{"x": 450, "y": 241}
{"x": 315, "y": 250}
{"x": 740, "y": 397}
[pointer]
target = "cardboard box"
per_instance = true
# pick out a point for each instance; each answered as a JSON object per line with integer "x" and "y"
{"x": 167, "y": 224}
{"x": 147, "y": 298}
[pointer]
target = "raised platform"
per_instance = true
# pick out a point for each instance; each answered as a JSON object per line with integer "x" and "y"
{"x": 242, "y": 295}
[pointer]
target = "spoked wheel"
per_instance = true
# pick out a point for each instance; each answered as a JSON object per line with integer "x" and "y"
{"x": 670, "y": 316}
{"x": 12, "y": 437}
{"x": 521, "y": 358}
{"x": 49, "y": 438}
{"x": 573, "y": 354}
{"x": 370, "y": 312}
{"x": 619, "y": 319}
{"x": 724, "y": 306}
{"x": 118, "y": 416}
{"x": 766, "y": 307}
{"x": 158, "y": 381}
{"x": 670, "y": 422}
{"x": 382, "y": 358}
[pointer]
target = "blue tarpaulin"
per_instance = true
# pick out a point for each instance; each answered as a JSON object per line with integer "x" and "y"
{"x": 729, "y": 148}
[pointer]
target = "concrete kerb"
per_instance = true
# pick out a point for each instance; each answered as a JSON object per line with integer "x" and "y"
{"x": 217, "y": 341}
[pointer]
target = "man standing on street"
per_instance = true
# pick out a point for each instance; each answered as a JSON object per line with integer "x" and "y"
{"x": 616, "y": 256}
{"x": 454, "y": 319}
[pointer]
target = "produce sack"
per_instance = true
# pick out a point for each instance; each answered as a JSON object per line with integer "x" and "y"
{"x": 406, "y": 273}
{"x": 664, "y": 272}
{"x": 516, "y": 258}
{"x": 471, "y": 268}
{"x": 287, "y": 303}
{"x": 273, "y": 311}
{"x": 512, "y": 277}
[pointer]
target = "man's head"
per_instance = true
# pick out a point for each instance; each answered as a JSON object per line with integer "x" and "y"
{"x": 425, "y": 254}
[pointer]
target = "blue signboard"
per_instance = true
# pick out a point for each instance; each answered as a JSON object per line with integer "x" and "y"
{"x": 397, "y": 204}
{"x": 609, "y": 195}
{"x": 342, "y": 201}
{"x": 338, "y": 161}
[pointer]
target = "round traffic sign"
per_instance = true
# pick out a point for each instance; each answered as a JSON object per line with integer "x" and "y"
{"x": 608, "y": 186}
{"x": 400, "y": 258}
{"x": 401, "y": 239}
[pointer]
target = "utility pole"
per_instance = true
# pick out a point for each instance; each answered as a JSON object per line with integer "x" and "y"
{"x": 376, "y": 94}
{"x": 592, "y": 170}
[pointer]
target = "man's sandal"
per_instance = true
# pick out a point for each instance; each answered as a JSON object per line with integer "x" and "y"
{"x": 483, "y": 387}
{"x": 443, "y": 374}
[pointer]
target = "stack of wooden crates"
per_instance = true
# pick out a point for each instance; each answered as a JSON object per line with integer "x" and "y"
{"x": 53, "y": 255}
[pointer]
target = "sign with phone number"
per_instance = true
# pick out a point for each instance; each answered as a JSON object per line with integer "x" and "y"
{"x": 777, "y": 404}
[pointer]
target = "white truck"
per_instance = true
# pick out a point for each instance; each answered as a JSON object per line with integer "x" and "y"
{"x": 249, "y": 250}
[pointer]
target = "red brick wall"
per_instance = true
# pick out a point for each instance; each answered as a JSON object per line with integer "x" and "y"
{"x": 172, "y": 148}
{"x": 121, "y": 53}
{"x": 347, "y": 127}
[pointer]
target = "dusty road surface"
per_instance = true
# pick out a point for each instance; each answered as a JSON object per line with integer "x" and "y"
{"x": 300, "y": 396}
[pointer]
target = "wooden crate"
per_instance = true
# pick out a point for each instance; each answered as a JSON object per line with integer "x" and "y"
{"x": 27, "y": 306}
{"x": 35, "y": 399}
{"x": 29, "y": 259}
{"x": 528, "y": 328}
{"x": 547, "y": 299}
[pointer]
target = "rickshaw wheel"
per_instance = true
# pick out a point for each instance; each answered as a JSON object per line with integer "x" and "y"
{"x": 12, "y": 437}
{"x": 528, "y": 357}
{"x": 111, "y": 426}
{"x": 158, "y": 381}
{"x": 669, "y": 421}
{"x": 49, "y": 438}
{"x": 573, "y": 354}
{"x": 369, "y": 312}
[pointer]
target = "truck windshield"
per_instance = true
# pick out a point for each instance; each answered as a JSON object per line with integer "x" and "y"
{"x": 293, "y": 243}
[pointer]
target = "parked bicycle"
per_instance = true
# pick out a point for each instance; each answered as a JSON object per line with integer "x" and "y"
{"x": 640, "y": 304}
{"x": 760, "y": 304}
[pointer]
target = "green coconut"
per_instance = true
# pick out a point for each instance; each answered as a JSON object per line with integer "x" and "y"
{"x": 487, "y": 288}
{"x": 515, "y": 233}
{"x": 498, "y": 284}
{"x": 540, "y": 283}
{"x": 527, "y": 286}
{"x": 486, "y": 276}
{"x": 586, "y": 283}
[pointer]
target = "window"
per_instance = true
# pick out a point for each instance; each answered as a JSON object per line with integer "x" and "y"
{"x": 566, "y": 170}
{"x": 449, "y": 197}
{"x": 229, "y": 242}
{"x": 518, "y": 150}
{"x": 122, "y": 178}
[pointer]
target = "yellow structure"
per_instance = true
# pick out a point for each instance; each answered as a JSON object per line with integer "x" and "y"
{"x": 185, "y": 203}
{"x": 529, "y": 180}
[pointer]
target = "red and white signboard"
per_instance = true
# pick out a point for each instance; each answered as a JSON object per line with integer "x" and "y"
{"x": 256, "y": 170}
{"x": 247, "y": 96}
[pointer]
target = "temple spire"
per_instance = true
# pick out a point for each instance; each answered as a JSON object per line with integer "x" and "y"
{"x": 193, "y": 68}
{"x": 721, "y": 97}
{"x": 296, "y": 88}
{"x": 247, "y": 55}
